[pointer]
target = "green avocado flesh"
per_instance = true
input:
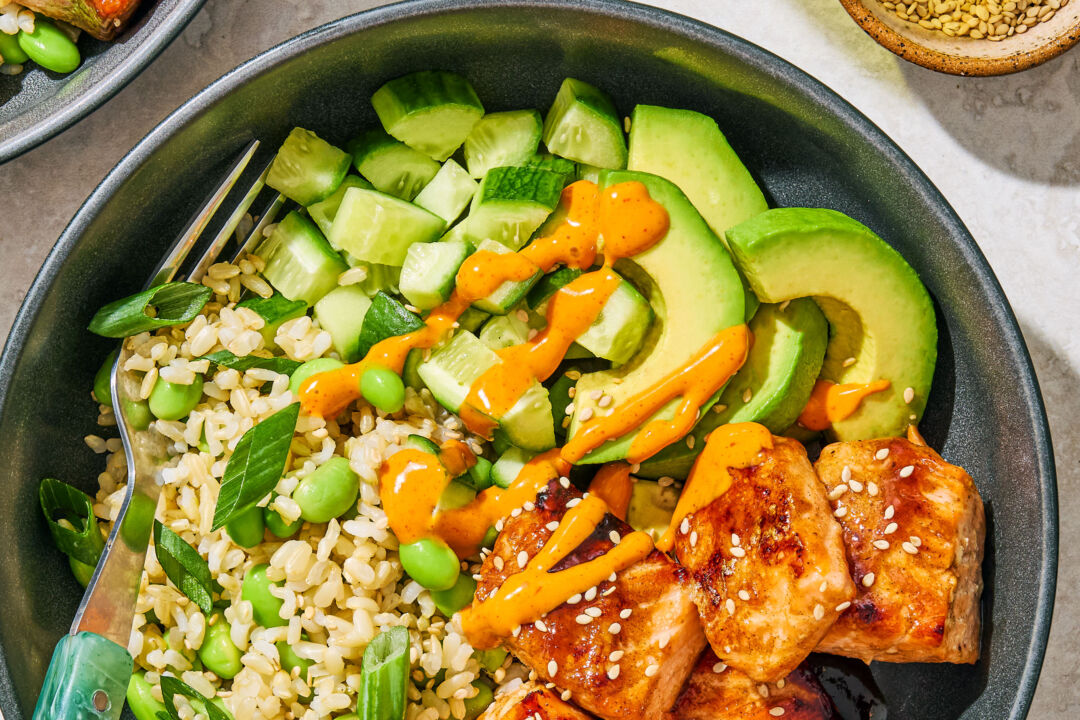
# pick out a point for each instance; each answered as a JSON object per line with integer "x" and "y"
{"x": 771, "y": 388}
{"x": 879, "y": 313}
{"x": 690, "y": 282}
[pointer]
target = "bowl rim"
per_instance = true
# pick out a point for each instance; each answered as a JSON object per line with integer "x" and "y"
{"x": 913, "y": 51}
{"x": 799, "y": 81}
{"x": 63, "y": 111}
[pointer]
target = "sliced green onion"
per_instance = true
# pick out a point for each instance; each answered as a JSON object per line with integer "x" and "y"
{"x": 185, "y": 567}
{"x": 173, "y": 303}
{"x": 60, "y": 501}
{"x": 280, "y": 365}
{"x": 171, "y": 687}
{"x": 256, "y": 464}
{"x": 384, "y": 676}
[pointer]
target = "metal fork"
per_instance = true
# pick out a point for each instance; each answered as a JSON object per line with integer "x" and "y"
{"x": 91, "y": 667}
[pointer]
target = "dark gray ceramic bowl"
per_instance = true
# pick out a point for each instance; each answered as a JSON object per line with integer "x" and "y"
{"x": 804, "y": 144}
{"x": 37, "y": 104}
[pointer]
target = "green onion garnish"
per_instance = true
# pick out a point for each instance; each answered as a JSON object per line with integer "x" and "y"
{"x": 173, "y": 303}
{"x": 384, "y": 676}
{"x": 185, "y": 567}
{"x": 171, "y": 687}
{"x": 60, "y": 501}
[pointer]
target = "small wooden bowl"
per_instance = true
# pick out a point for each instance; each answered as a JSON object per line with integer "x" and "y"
{"x": 965, "y": 55}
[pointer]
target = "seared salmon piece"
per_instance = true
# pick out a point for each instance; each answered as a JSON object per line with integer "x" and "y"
{"x": 623, "y": 649}
{"x": 104, "y": 19}
{"x": 914, "y": 531}
{"x": 716, "y": 692}
{"x": 768, "y": 564}
{"x": 532, "y": 701}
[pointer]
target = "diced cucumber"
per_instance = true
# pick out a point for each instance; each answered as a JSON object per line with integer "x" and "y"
{"x": 503, "y": 331}
{"x": 324, "y": 211}
{"x": 341, "y": 313}
{"x": 479, "y": 475}
{"x": 472, "y": 319}
{"x": 590, "y": 173}
{"x": 429, "y": 272}
{"x": 510, "y": 292}
{"x": 459, "y": 232}
{"x": 423, "y": 444}
{"x": 529, "y": 423}
{"x": 448, "y": 193}
{"x": 379, "y": 228}
{"x": 619, "y": 329}
{"x": 409, "y": 374}
{"x": 550, "y": 284}
{"x": 501, "y": 139}
{"x": 456, "y": 495}
{"x": 390, "y": 165}
{"x": 274, "y": 310}
{"x": 559, "y": 396}
{"x": 511, "y": 203}
{"x": 547, "y": 161}
{"x": 431, "y": 111}
{"x": 307, "y": 168}
{"x": 584, "y": 126}
{"x": 300, "y": 263}
{"x": 385, "y": 318}
{"x": 506, "y": 469}
{"x": 379, "y": 277}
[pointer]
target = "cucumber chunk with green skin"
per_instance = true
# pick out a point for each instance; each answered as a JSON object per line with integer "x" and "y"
{"x": 341, "y": 313}
{"x": 385, "y": 318}
{"x": 511, "y": 292}
{"x": 550, "y": 284}
{"x": 324, "y": 211}
{"x": 512, "y": 203}
{"x": 430, "y": 270}
{"x": 307, "y": 169}
{"x": 651, "y": 507}
{"x": 274, "y": 311}
{"x": 503, "y": 331}
{"x": 771, "y": 388}
{"x": 432, "y": 111}
{"x": 409, "y": 374}
{"x": 509, "y": 465}
{"x": 554, "y": 163}
{"x": 479, "y": 475}
{"x": 472, "y": 319}
{"x": 390, "y": 165}
{"x": 456, "y": 495}
{"x": 881, "y": 314}
{"x": 589, "y": 173}
{"x": 378, "y": 228}
{"x": 583, "y": 125}
{"x": 300, "y": 263}
{"x": 378, "y": 277}
{"x": 459, "y": 232}
{"x": 423, "y": 444}
{"x": 501, "y": 139}
{"x": 619, "y": 330}
{"x": 448, "y": 193}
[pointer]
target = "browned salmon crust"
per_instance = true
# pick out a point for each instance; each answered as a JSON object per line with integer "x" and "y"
{"x": 731, "y": 695}
{"x": 532, "y": 701}
{"x": 768, "y": 561}
{"x": 630, "y": 661}
{"x": 104, "y": 19}
{"x": 919, "y": 587}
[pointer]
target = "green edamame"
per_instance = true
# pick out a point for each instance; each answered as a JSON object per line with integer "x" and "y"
{"x": 327, "y": 492}
{"x": 256, "y": 590}
{"x": 102, "y": 391}
{"x": 430, "y": 562}
{"x": 277, "y": 525}
{"x": 247, "y": 528}
{"x": 456, "y": 598}
{"x": 218, "y": 653}
{"x": 290, "y": 660}
{"x": 311, "y": 367}
{"x": 383, "y": 388}
{"x": 479, "y": 702}
{"x": 81, "y": 571}
{"x": 490, "y": 660}
{"x": 10, "y": 50}
{"x": 137, "y": 414}
{"x": 49, "y": 47}
{"x": 140, "y": 698}
{"x": 170, "y": 401}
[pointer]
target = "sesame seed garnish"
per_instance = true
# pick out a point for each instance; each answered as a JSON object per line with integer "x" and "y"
{"x": 872, "y": 488}
{"x": 636, "y": 467}
{"x": 586, "y": 414}
{"x": 891, "y": 528}
{"x": 583, "y": 619}
{"x": 522, "y": 315}
{"x": 784, "y": 305}
{"x": 856, "y": 486}
{"x": 843, "y": 606}
{"x": 845, "y": 474}
{"x": 776, "y": 711}
{"x": 529, "y": 506}
{"x": 553, "y": 668}
{"x": 498, "y": 563}
{"x": 881, "y": 454}
{"x": 781, "y": 683}
{"x": 730, "y": 605}
{"x": 615, "y": 656}
{"x": 565, "y": 482}
{"x": 615, "y": 628}
{"x": 573, "y": 503}
{"x": 747, "y": 395}
{"x": 613, "y": 672}
{"x": 516, "y": 631}
{"x": 916, "y": 540}
{"x": 881, "y": 544}
{"x": 868, "y": 579}
{"x": 684, "y": 526}
{"x": 569, "y": 409}
{"x": 735, "y": 540}
{"x": 819, "y": 611}
{"x": 889, "y": 512}
{"x": 625, "y": 613}
{"x": 594, "y": 612}
{"x": 522, "y": 558}
{"x": 553, "y": 525}
{"x": 515, "y": 512}
{"x": 718, "y": 408}
{"x": 652, "y": 670}
{"x": 840, "y": 512}
{"x": 907, "y": 470}
{"x": 574, "y": 374}
{"x": 542, "y": 627}
{"x": 596, "y": 394}
{"x": 909, "y": 395}
{"x": 910, "y": 549}
{"x": 848, "y": 362}
{"x": 690, "y": 441}
{"x": 744, "y": 596}
{"x": 719, "y": 668}
{"x": 499, "y": 525}
{"x": 590, "y": 594}
{"x": 605, "y": 401}
{"x": 565, "y": 422}
{"x": 824, "y": 586}
{"x": 608, "y": 591}
{"x": 738, "y": 552}
{"x": 763, "y": 690}
{"x": 838, "y": 491}
{"x": 612, "y": 577}
{"x": 566, "y": 695}
{"x": 665, "y": 481}
{"x": 574, "y": 599}
{"x": 477, "y": 577}
{"x": 693, "y": 538}
{"x": 614, "y": 536}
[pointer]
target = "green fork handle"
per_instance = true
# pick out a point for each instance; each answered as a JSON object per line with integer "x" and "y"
{"x": 87, "y": 680}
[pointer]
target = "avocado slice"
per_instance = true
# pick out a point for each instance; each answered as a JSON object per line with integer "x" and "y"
{"x": 879, "y": 313}
{"x": 651, "y": 507}
{"x": 688, "y": 149}
{"x": 690, "y": 282}
{"x": 772, "y": 387}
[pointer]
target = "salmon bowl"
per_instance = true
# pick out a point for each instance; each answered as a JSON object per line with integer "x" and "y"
{"x": 801, "y": 145}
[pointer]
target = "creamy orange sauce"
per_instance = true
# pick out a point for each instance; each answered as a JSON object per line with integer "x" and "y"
{"x": 534, "y": 591}
{"x": 729, "y": 446}
{"x": 830, "y": 402}
{"x": 613, "y": 484}
{"x": 915, "y": 437}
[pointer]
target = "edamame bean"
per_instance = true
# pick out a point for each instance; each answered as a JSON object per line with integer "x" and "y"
{"x": 490, "y": 660}
{"x": 102, "y": 391}
{"x": 289, "y": 659}
{"x": 10, "y": 50}
{"x": 140, "y": 698}
{"x": 311, "y": 367}
{"x": 218, "y": 653}
{"x": 480, "y": 474}
{"x": 171, "y": 401}
{"x": 256, "y": 590}
{"x": 383, "y": 388}
{"x": 247, "y": 528}
{"x": 137, "y": 414}
{"x": 49, "y": 47}
{"x": 430, "y": 562}
{"x": 479, "y": 702}
{"x": 327, "y": 492}
{"x": 456, "y": 598}
{"x": 81, "y": 571}
{"x": 277, "y": 525}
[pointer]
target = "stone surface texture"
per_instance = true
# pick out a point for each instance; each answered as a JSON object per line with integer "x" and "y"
{"x": 1004, "y": 151}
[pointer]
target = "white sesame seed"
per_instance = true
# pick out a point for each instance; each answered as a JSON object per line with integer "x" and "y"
{"x": 590, "y": 594}
{"x": 608, "y": 591}
{"x": 614, "y": 628}
{"x": 586, "y": 414}
{"x": 881, "y": 544}
{"x": 625, "y": 613}
{"x": 663, "y": 642}
{"x": 747, "y": 395}
{"x": 735, "y": 539}
{"x": 909, "y": 395}
{"x": 566, "y": 695}
{"x": 477, "y": 577}
{"x": 690, "y": 441}
{"x": 872, "y": 488}
{"x": 868, "y": 579}
{"x": 573, "y": 503}
{"x": 840, "y": 512}
{"x": 614, "y": 536}
{"x": 665, "y": 481}
{"x": 615, "y": 656}
{"x": 498, "y": 563}
{"x": 613, "y": 672}
{"x": 781, "y": 683}
{"x": 824, "y": 586}
{"x": 730, "y": 605}
{"x": 565, "y": 482}
{"x": 593, "y": 612}
{"x": 845, "y": 474}
{"x": 819, "y": 611}
{"x": 522, "y": 558}
{"x": 738, "y": 552}
{"x": 553, "y": 668}
{"x": 570, "y": 409}
{"x": 499, "y": 525}
{"x": 574, "y": 599}
{"x": 848, "y": 362}
{"x": 612, "y": 577}
{"x": 693, "y": 538}
{"x": 763, "y": 690}
{"x": 889, "y": 512}
{"x": 553, "y": 525}
{"x": 843, "y": 606}
{"x": 776, "y": 711}
{"x": 604, "y": 401}
{"x": 529, "y": 506}
{"x": 515, "y": 512}
{"x": 784, "y": 305}
{"x": 652, "y": 670}
{"x": 916, "y": 540}
{"x": 838, "y": 491}
{"x": 684, "y": 526}
{"x": 882, "y": 454}
{"x": 542, "y": 627}
{"x": 891, "y": 528}
{"x": 516, "y": 631}
{"x": 910, "y": 549}
{"x": 583, "y": 619}
{"x": 719, "y": 668}
{"x": 596, "y": 394}
{"x": 907, "y": 470}
{"x": 856, "y": 486}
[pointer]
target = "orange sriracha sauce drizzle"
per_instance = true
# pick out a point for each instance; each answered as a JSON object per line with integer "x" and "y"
{"x": 831, "y": 403}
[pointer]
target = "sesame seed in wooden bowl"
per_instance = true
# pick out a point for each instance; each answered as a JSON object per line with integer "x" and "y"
{"x": 971, "y": 37}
